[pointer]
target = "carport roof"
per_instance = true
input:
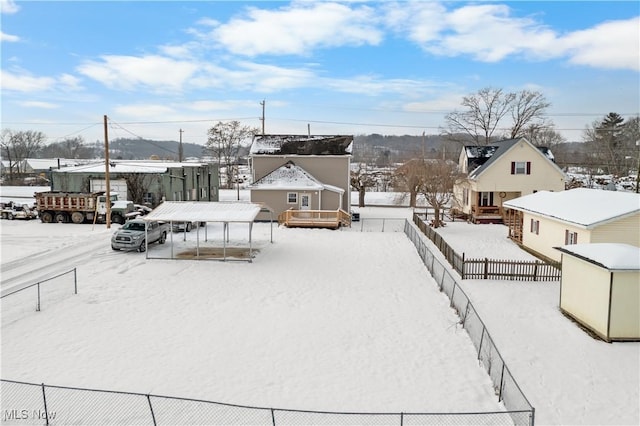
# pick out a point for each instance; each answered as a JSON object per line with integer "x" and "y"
{"x": 203, "y": 211}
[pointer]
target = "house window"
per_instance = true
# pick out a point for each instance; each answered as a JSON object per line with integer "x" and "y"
{"x": 292, "y": 198}
{"x": 521, "y": 167}
{"x": 535, "y": 226}
{"x": 570, "y": 237}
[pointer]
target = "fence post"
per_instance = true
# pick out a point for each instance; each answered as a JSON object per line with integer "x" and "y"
{"x": 501, "y": 382}
{"x": 480, "y": 345}
{"x": 153, "y": 416}
{"x": 38, "y": 305}
{"x": 46, "y": 412}
{"x": 75, "y": 281}
{"x": 401, "y": 419}
{"x": 466, "y": 312}
{"x": 486, "y": 268}
{"x": 382, "y": 224}
{"x": 535, "y": 270}
{"x": 273, "y": 418}
{"x": 452, "y": 291}
{"x": 464, "y": 269}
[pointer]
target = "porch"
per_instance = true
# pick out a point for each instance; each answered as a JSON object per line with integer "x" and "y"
{"x": 314, "y": 218}
{"x": 487, "y": 214}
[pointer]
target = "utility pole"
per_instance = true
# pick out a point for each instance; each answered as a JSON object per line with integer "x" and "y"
{"x": 262, "y": 119}
{"x": 180, "y": 152}
{"x": 106, "y": 174}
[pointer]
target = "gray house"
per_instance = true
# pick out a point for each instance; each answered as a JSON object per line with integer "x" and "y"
{"x": 294, "y": 172}
{"x": 143, "y": 182}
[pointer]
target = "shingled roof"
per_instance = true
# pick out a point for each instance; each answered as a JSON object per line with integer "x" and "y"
{"x": 301, "y": 145}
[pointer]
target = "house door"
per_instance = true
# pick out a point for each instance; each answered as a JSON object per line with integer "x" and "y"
{"x": 485, "y": 199}
{"x": 305, "y": 201}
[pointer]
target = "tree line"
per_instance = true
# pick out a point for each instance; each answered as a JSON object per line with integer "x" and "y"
{"x": 484, "y": 117}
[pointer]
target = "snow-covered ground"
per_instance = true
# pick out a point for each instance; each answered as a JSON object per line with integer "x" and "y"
{"x": 321, "y": 320}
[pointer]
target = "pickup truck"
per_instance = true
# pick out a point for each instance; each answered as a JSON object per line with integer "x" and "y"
{"x": 132, "y": 235}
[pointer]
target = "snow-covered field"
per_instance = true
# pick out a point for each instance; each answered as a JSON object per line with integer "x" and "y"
{"x": 321, "y": 320}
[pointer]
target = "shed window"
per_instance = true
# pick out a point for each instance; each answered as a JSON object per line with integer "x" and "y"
{"x": 292, "y": 198}
{"x": 535, "y": 226}
{"x": 521, "y": 167}
{"x": 570, "y": 237}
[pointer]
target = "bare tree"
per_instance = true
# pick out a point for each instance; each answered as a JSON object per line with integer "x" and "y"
{"x": 361, "y": 179}
{"x": 484, "y": 111}
{"x": 225, "y": 139}
{"x": 481, "y": 115}
{"x": 437, "y": 187}
{"x": 138, "y": 185}
{"x": 410, "y": 178}
{"x": 527, "y": 109}
{"x": 18, "y": 146}
{"x": 545, "y": 136}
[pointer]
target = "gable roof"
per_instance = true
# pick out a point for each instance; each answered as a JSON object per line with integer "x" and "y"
{"x": 290, "y": 176}
{"x": 584, "y": 207}
{"x": 484, "y": 156}
{"x": 301, "y": 145}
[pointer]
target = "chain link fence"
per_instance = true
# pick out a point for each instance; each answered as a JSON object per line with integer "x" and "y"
{"x": 16, "y": 304}
{"x": 505, "y": 385}
{"x": 40, "y": 404}
{"x": 376, "y": 224}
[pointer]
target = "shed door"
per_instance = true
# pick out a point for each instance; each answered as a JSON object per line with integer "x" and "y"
{"x": 305, "y": 201}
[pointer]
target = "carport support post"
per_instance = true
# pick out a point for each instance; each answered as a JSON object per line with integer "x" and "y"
{"x": 250, "y": 247}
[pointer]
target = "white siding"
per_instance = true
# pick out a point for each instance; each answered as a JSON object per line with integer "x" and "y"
{"x": 584, "y": 293}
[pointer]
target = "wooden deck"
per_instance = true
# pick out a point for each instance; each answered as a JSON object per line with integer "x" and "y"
{"x": 487, "y": 214}
{"x": 314, "y": 218}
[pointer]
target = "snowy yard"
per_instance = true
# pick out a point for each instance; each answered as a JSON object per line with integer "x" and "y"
{"x": 322, "y": 320}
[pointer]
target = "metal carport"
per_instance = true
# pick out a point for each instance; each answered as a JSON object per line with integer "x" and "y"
{"x": 208, "y": 212}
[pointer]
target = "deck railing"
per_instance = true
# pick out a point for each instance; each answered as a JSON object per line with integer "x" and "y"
{"x": 315, "y": 218}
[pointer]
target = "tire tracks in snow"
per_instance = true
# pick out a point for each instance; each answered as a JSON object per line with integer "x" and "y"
{"x": 46, "y": 264}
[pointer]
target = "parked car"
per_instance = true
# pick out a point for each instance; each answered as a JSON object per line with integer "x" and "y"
{"x": 13, "y": 210}
{"x": 136, "y": 234}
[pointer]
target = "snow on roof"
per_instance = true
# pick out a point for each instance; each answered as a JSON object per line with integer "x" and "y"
{"x": 302, "y": 144}
{"x": 127, "y": 167}
{"x": 493, "y": 152}
{"x": 46, "y": 163}
{"x": 612, "y": 256}
{"x": 293, "y": 177}
{"x": 581, "y": 206}
{"x": 204, "y": 211}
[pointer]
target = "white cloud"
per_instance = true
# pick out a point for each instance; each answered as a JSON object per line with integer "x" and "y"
{"x": 38, "y": 104}
{"x": 8, "y": 6}
{"x": 8, "y": 37}
{"x": 298, "y": 29}
{"x": 491, "y": 33}
{"x": 128, "y": 72}
{"x": 614, "y": 44}
{"x": 23, "y": 82}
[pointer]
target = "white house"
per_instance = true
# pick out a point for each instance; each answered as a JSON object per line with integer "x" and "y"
{"x": 545, "y": 220}
{"x": 500, "y": 172}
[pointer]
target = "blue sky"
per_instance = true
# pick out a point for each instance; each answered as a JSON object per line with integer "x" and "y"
{"x": 356, "y": 67}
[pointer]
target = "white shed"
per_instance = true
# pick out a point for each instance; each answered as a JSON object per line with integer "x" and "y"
{"x": 600, "y": 288}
